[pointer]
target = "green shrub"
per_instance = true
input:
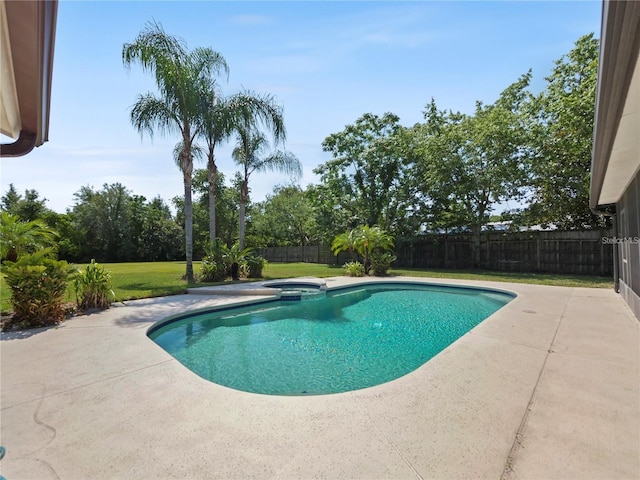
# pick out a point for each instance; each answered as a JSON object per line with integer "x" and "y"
{"x": 93, "y": 287}
{"x": 38, "y": 284}
{"x": 213, "y": 270}
{"x": 214, "y": 265}
{"x": 381, "y": 262}
{"x": 256, "y": 264}
{"x": 235, "y": 254}
{"x": 354, "y": 269}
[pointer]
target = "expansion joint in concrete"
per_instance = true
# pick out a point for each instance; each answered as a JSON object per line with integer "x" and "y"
{"x": 508, "y": 471}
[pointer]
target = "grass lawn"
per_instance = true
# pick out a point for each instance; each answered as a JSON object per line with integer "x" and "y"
{"x": 142, "y": 280}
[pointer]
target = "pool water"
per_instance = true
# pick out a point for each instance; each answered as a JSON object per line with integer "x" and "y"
{"x": 347, "y": 340}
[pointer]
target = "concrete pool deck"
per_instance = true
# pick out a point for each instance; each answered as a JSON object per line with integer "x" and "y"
{"x": 547, "y": 387}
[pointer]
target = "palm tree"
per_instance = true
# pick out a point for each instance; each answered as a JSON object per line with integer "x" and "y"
{"x": 365, "y": 240}
{"x": 249, "y": 153}
{"x": 369, "y": 239}
{"x": 221, "y": 116}
{"x": 346, "y": 241}
{"x": 182, "y": 77}
{"x": 18, "y": 237}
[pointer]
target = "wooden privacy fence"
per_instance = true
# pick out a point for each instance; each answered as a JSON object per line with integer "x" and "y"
{"x": 570, "y": 252}
{"x": 307, "y": 254}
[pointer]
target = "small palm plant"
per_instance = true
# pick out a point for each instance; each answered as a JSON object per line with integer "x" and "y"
{"x": 218, "y": 262}
{"x": 18, "y": 237}
{"x": 236, "y": 260}
{"x": 214, "y": 268}
{"x": 373, "y": 244}
{"x": 370, "y": 240}
{"x": 345, "y": 242}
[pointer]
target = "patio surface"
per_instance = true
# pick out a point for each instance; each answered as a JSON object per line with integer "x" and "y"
{"x": 547, "y": 387}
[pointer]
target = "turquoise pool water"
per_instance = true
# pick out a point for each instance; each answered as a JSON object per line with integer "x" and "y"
{"x": 347, "y": 340}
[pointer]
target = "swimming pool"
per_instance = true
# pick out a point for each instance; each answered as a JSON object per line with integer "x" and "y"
{"x": 349, "y": 339}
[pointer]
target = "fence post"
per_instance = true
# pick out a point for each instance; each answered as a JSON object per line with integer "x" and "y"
{"x": 538, "y": 251}
{"x": 488, "y": 265}
{"x": 446, "y": 251}
{"x": 412, "y": 246}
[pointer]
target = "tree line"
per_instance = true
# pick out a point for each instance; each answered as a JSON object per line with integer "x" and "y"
{"x": 444, "y": 174}
{"x": 449, "y": 172}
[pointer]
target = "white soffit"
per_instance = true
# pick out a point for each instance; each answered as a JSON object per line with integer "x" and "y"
{"x": 624, "y": 160}
{"x": 10, "y": 123}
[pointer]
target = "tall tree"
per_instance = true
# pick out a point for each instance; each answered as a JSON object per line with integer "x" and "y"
{"x": 182, "y": 77}
{"x": 467, "y": 164}
{"x": 27, "y": 208}
{"x": 366, "y": 168}
{"x": 70, "y": 242}
{"x": 156, "y": 235}
{"x": 220, "y": 118}
{"x": 331, "y": 218}
{"x": 285, "y": 217}
{"x": 251, "y": 154}
{"x": 562, "y": 139}
{"x": 10, "y": 200}
{"x": 103, "y": 219}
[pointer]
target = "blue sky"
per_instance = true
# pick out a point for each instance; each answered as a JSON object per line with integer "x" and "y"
{"x": 327, "y": 63}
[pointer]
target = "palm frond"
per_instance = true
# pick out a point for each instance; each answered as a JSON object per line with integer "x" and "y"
{"x": 154, "y": 50}
{"x": 217, "y": 119}
{"x": 252, "y": 108}
{"x": 151, "y": 112}
{"x": 250, "y": 143}
{"x": 280, "y": 161}
{"x": 17, "y": 236}
{"x": 209, "y": 62}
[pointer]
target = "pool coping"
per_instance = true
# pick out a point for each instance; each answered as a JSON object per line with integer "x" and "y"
{"x": 547, "y": 387}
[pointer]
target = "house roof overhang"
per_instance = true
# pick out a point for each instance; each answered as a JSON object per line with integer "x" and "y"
{"x": 27, "y": 34}
{"x": 616, "y": 137}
